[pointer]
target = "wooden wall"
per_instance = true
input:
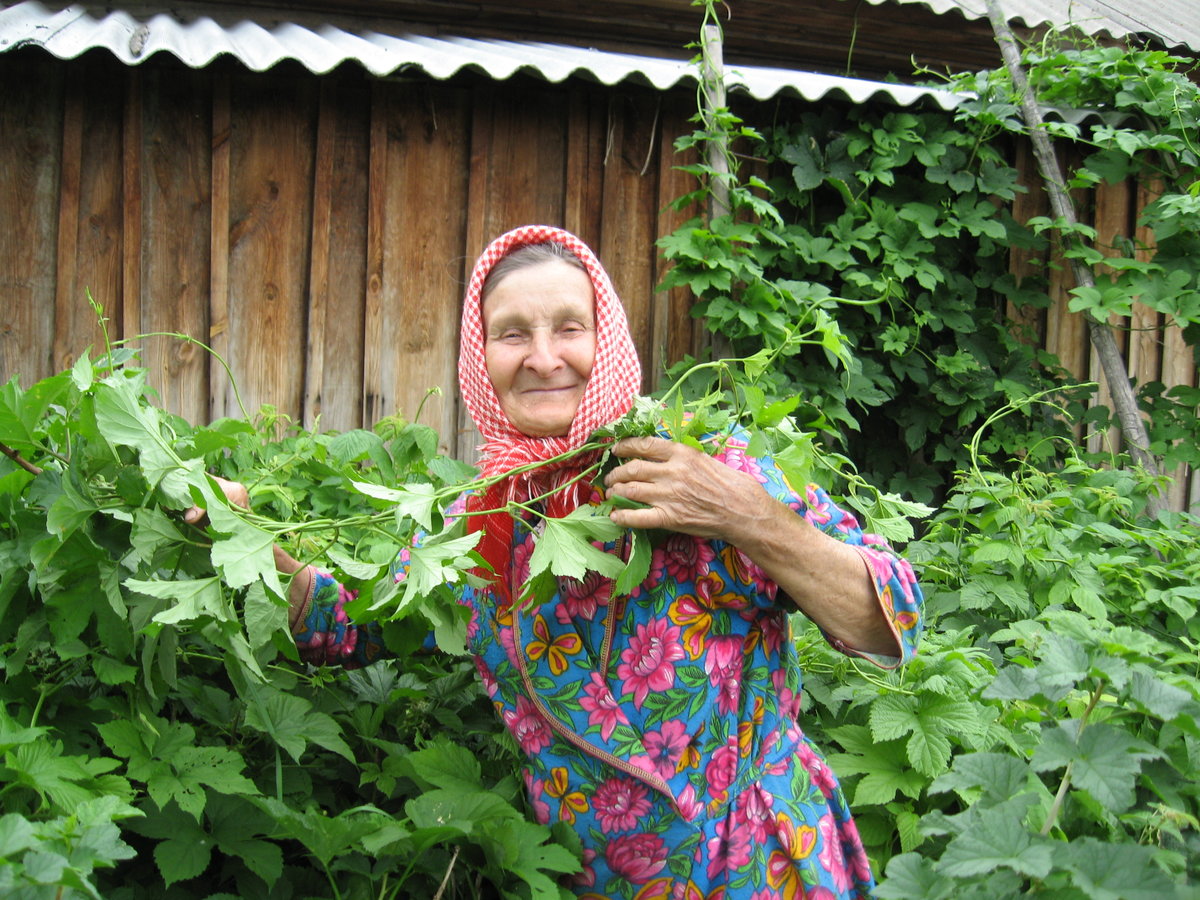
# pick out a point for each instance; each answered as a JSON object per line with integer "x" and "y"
{"x": 316, "y": 231}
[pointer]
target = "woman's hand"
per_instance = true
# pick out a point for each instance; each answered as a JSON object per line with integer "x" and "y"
{"x": 686, "y": 490}
{"x": 690, "y": 492}
{"x": 235, "y": 492}
{"x": 300, "y": 588}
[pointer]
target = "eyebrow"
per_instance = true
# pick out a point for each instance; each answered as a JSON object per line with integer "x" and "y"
{"x": 562, "y": 314}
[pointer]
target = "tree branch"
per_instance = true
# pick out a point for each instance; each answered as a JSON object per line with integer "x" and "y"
{"x": 1116, "y": 375}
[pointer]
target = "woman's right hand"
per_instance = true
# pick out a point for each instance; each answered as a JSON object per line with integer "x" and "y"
{"x": 235, "y": 492}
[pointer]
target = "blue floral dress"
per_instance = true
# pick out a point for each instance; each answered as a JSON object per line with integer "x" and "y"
{"x": 663, "y": 725}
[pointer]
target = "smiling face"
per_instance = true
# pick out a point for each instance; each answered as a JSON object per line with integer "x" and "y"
{"x": 539, "y": 324}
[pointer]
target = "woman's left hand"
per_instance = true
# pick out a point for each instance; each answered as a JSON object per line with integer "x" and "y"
{"x": 686, "y": 490}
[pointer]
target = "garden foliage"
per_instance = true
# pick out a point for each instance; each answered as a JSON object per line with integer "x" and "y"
{"x": 160, "y": 739}
{"x": 1044, "y": 742}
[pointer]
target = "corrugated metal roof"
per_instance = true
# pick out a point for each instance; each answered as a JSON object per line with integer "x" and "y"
{"x": 322, "y": 46}
{"x": 1174, "y": 23}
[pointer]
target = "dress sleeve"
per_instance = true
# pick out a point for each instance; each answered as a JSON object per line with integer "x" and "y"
{"x": 323, "y": 632}
{"x": 896, "y": 589}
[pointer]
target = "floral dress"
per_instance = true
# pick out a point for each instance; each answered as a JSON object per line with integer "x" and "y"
{"x": 663, "y": 725}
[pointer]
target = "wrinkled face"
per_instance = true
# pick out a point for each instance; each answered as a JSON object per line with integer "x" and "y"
{"x": 539, "y": 325}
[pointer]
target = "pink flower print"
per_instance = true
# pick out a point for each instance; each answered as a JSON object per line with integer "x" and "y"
{"x": 666, "y": 747}
{"x": 582, "y": 599}
{"x": 723, "y": 663}
{"x": 818, "y": 506}
{"x": 855, "y": 854}
{"x": 636, "y": 857}
{"x": 522, "y": 551}
{"x": 528, "y": 727}
{"x": 682, "y": 557}
{"x": 723, "y": 656}
{"x": 735, "y": 457}
{"x": 647, "y": 664}
{"x": 721, "y": 769}
{"x": 490, "y": 685}
{"x": 602, "y": 708}
{"x": 728, "y": 849}
{"x": 687, "y": 804}
{"x": 473, "y": 622}
{"x": 534, "y": 788}
{"x": 818, "y": 772}
{"x": 400, "y": 565}
{"x": 831, "y": 856}
{"x": 619, "y": 803}
{"x": 754, "y": 812}
{"x": 586, "y": 876}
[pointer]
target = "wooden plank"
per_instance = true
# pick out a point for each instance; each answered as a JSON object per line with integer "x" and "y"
{"x": 424, "y": 216}
{"x": 1145, "y": 326}
{"x": 630, "y": 215}
{"x": 463, "y": 443}
{"x": 1113, "y": 220}
{"x": 271, "y": 160}
{"x": 676, "y": 333}
{"x": 1030, "y": 322}
{"x": 337, "y": 284}
{"x": 1178, "y": 369}
{"x": 377, "y": 199}
{"x": 69, "y": 202}
{"x": 528, "y": 161}
{"x": 90, "y": 259}
{"x": 176, "y": 187}
{"x": 585, "y": 164}
{"x": 31, "y": 145}
{"x": 220, "y": 386}
{"x": 131, "y": 205}
{"x": 318, "y": 278}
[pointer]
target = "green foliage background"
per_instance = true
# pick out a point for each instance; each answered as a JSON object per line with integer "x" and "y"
{"x": 159, "y": 738}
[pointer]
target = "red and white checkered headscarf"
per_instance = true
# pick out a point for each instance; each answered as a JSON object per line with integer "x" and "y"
{"x": 614, "y": 382}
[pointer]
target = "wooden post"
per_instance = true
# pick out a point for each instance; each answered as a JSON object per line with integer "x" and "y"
{"x": 712, "y": 79}
{"x": 1115, "y": 372}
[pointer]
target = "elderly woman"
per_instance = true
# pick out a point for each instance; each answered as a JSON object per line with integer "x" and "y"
{"x": 662, "y": 725}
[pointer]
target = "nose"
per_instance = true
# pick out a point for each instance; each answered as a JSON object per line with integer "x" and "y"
{"x": 543, "y": 357}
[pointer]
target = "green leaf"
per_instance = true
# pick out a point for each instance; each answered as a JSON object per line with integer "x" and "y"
{"x": 1110, "y": 871}
{"x": 264, "y": 616}
{"x": 912, "y": 875}
{"x": 1105, "y": 760}
{"x": 470, "y": 812}
{"x": 993, "y": 775}
{"x": 184, "y": 853}
{"x": 996, "y": 841}
{"x": 565, "y": 547}
{"x": 1161, "y": 699}
{"x": 194, "y": 598}
{"x": 433, "y": 563}
{"x": 16, "y": 835}
{"x": 192, "y": 770}
{"x": 638, "y": 566}
{"x": 246, "y": 556}
{"x": 292, "y": 723}
{"x": 445, "y": 765}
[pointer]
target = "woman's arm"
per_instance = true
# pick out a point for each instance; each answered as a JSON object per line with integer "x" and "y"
{"x": 829, "y": 580}
{"x": 316, "y": 618}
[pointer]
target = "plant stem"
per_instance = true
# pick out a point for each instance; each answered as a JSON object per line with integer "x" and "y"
{"x": 1063, "y": 785}
{"x": 20, "y": 460}
{"x": 1116, "y": 374}
{"x": 446, "y": 878}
